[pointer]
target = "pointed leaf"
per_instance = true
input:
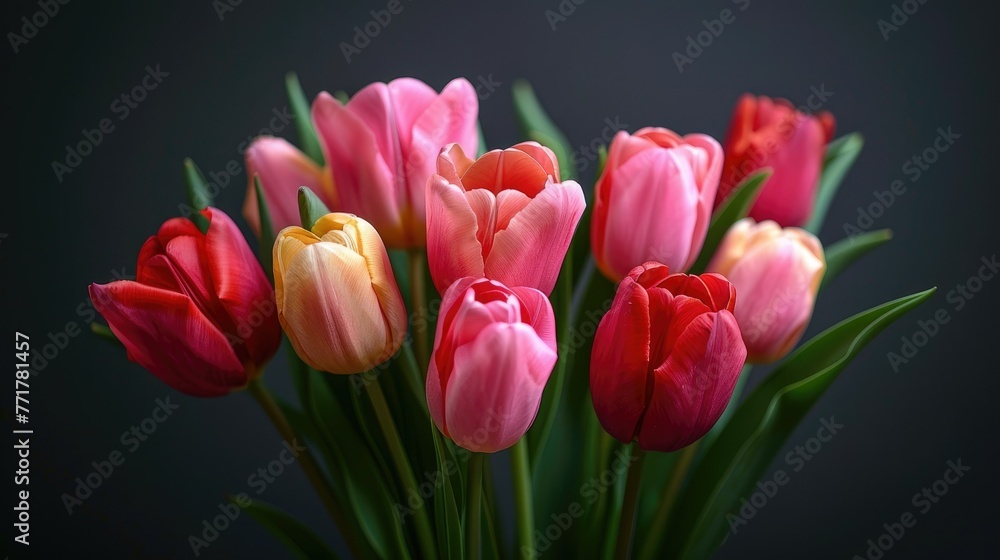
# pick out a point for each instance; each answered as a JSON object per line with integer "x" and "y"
{"x": 197, "y": 192}
{"x": 843, "y": 253}
{"x": 535, "y": 124}
{"x": 341, "y": 95}
{"x": 733, "y": 209}
{"x": 303, "y": 118}
{"x": 311, "y": 208}
{"x": 840, "y": 156}
{"x": 105, "y": 334}
{"x": 295, "y": 535}
{"x": 266, "y": 241}
{"x": 762, "y": 424}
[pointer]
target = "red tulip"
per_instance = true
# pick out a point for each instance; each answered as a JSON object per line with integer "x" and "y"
{"x": 767, "y": 132}
{"x": 504, "y": 216}
{"x": 200, "y": 314}
{"x": 666, "y": 357}
{"x": 493, "y": 353}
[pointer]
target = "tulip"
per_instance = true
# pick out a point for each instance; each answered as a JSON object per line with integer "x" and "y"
{"x": 282, "y": 169}
{"x": 777, "y": 273}
{"x": 504, "y": 216}
{"x": 666, "y": 357}
{"x": 337, "y": 297}
{"x": 382, "y": 146}
{"x": 200, "y": 313}
{"x": 493, "y": 352}
{"x": 771, "y": 133}
{"x": 654, "y": 200}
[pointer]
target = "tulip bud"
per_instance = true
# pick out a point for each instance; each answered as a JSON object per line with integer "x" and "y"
{"x": 337, "y": 297}
{"x": 493, "y": 352}
{"x": 771, "y": 133}
{"x": 666, "y": 357}
{"x": 653, "y": 202}
{"x": 504, "y": 216}
{"x": 200, "y": 313}
{"x": 777, "y": 273}
{"x": 382, "y": 147}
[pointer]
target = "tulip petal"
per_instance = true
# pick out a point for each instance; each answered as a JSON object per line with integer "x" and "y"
{"x": 506, "y": 169}
{"x": 453, "y": 248}
{"x": 452, "y": 163}
{"x": 328, "y": 298}
{"x": 539, "y": 315}
{"x": 242, "y": 288}
{"x": 694, "y": 385}
{"x": 282, "y": 169}
{"x": 530, "y": 251}
{"x": 620, "y": 362}
{"x": 497, "y": 382}
{"x": 165, "y": 333}
{"x": 544, "y": 156}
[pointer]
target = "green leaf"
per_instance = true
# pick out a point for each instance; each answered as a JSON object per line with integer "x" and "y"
{"x": 482, "y": 140}
{"x": 602, "y": 162}
{"x": 197, "y": 192}
{"x": 843, "y": 253}
{"x": 295, "y": 535}
{"x": 303, "y": 118}
{"x": 266, "y": 243}
{"x": 840, "y": 156}
{"x": 536, "y": 125}
{"x": 311, "y": 208}
{"x": 446, "y": 511}
{"x": 341, "y": 95}
{"x": 105, "y": 334}
{"x": 763, "y": 423}
{"x": 734, "y": 208}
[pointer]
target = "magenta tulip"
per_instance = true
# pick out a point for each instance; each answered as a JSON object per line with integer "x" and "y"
{"x": 504, "y": 216}
{"x": 653, "y": 202}
{"x": 494, "y": 350}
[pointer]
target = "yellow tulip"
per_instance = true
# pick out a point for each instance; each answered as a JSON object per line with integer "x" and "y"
{"x": 336, "y": 295}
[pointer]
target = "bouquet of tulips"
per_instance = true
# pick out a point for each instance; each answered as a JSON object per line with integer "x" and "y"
{"x": 442, "y": 302}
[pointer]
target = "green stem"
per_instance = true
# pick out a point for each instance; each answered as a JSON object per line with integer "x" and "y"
{"x": 418, "y": 299}
{"x": 306, "y": 461}
{"x": 473, "y": 511}
{"x": 414, "y": 378}
{"x": 425, "y": 536}
{"x": 670, "y": 493}
{"x": 627, "y": 525}
{"x": 523, "y": 501}
{"x": 547, "y": 415}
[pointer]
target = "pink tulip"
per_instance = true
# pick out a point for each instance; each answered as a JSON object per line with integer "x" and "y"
{"x": 777, "y": 273}
{"x": 653, "y": 202}
{"x": 493, "y": 352}
{"x": 282, "y": 169}
{"x": 382, "y": 145}
{"x": 504, "y": 216}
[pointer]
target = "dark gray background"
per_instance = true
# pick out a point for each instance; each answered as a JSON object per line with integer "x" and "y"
{"x": 608, "y": 59}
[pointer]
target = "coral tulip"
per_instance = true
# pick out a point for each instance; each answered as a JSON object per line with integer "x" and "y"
{"x": 337, "y": 297}
{"x": 494, "y": 350}
{"x": 777, "y": 273}
{"x": 654, "y": 200}
{"x": 200, "y": 313}
{"x": 666, "y": 357}
{"x": 771, "y": 133}
{"x": 504, "y": 216}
